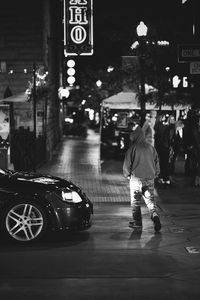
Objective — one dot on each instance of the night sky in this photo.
(115, 25)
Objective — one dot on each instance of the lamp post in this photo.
(142, 32)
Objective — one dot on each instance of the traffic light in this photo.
(71, 72)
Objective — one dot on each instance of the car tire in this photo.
(25, 222)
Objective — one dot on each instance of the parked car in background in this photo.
(32, 205)
(115, 132)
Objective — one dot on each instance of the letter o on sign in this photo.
(78, 34)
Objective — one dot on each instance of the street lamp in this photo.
(99, 83)
(142, 30)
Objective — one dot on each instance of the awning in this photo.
(121, 101)
(125, 100)
(129, 100)
(22, 97)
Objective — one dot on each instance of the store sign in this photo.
(178, 82)
(195, 67)
(188, 52)
(78, 27)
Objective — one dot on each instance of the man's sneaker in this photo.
(157, 224)
(135, 224)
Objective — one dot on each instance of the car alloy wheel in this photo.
(25, 222)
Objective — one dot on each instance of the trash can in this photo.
(3, 158)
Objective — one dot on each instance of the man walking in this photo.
(141, 167)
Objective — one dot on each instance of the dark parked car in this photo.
(31, 205)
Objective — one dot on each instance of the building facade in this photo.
(31, 43)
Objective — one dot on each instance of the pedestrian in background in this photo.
(148, 127)
(164, 136)
(133, 124)
(192, 145)
(177, 146)
(141, 167)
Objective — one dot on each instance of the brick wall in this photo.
(30, 33)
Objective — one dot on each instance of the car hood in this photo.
(23, 181)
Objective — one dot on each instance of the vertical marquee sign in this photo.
(78, 27)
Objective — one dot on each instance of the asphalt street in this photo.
(110, 260)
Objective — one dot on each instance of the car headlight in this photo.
(71, 196)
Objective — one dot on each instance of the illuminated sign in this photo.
(78, 27)
(195, 67)
(180, 82)
(188, 52)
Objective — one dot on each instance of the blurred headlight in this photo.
(71, 196)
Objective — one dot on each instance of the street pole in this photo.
(142, 82)
(34, 118)
(142, 32)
